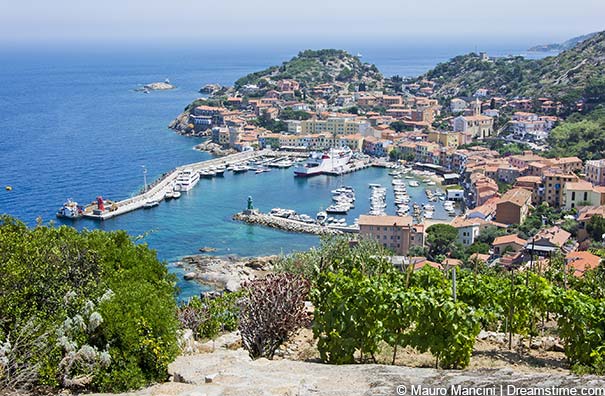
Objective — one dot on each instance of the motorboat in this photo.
(176, 195)
(321, 217)
(207, 173)
(337, 209)
(414, 183)
(151, 204)
(70, 210)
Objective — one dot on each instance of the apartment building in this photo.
(393, 232)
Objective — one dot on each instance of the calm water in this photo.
(73, 127)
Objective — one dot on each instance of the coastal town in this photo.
(419, 213)
(488, 151)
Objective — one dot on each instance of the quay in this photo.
(284, 224)
(164, 184)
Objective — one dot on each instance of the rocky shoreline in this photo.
(214, 149)
(284, 224)
(225, 273)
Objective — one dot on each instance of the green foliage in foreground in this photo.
(363, 303)
(93, 295)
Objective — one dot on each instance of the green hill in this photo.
(572, 42)
(311, 68)
(570, 75)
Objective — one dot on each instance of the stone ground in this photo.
(223, 368)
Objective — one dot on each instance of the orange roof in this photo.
(518, 196)
(581, 262)
(506, 239)
(397, 221)
(556, 235)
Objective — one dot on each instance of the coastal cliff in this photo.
(570, 74)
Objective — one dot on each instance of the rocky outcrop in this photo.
(159, 86)
(214, 148)
(232, 372)
(226, 272)
(284, 224)
(211, 88)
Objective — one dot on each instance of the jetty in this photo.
(284, 224)
(160, 187)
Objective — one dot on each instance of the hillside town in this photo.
(458, 137)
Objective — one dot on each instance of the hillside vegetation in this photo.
(568, 76)
(311, 68)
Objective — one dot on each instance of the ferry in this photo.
(187, 179)
(318, 163)
(70, 210)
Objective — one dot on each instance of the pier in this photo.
(164, 184)
(284, 224)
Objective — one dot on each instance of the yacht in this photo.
(240, 169)
(220, 171)
(318, 163)
(70, 210)
(169, 195)
(187, 179)
(414, 183)
(176, 195)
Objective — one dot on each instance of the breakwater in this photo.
(255, 217)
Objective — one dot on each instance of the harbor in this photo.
(157, 192)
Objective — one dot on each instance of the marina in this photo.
(181, 179)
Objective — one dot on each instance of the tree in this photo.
(441, 238)
(596, 227)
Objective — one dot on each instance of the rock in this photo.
(207, 249)
(190, 276)
(210, 378)
(232, 285)
(210, 88)
(159, 86)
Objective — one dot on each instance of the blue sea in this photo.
(72, 126)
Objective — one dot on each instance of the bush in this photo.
(271, 310)
(55, 274)
(207, 318)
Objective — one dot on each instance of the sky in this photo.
(224, 21)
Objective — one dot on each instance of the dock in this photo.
(160, 187)
(284, 224)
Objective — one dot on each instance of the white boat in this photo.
(414, 183)
(207, 173)
(240, 169)
(286, 163)
(431, 183)
(220, 171)
(337, 209)
(151, 204)
(70, 210)
(169, 195)
(318, 163)
(428, 215)
(176, 195)
(321, 217)
(186, 180)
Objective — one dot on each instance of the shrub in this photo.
(271, 310)
(52, 274)
(209, 317)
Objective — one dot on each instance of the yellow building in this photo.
(333, 126)
(445, 139)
